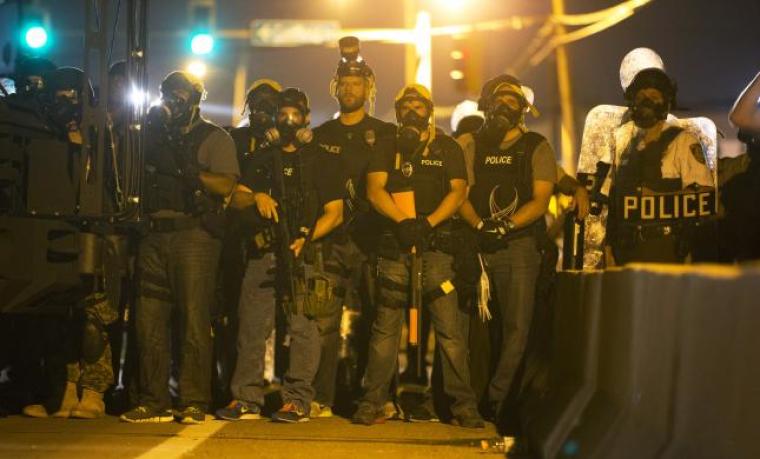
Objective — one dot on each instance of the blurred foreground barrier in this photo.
(652, 361)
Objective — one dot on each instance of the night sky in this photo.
(712, 49)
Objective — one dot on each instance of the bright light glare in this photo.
(453, 5)
(138, 98)
(456, 75)
(457, 55)
(197, 68)
(202, 43)
(424, 74)
(36, 37)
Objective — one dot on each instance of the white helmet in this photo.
(636, 61)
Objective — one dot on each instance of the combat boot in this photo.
(90, 407)
(67, 404)
(70, 400)
(35, 411)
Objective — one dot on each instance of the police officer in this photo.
(432, 166)
(739, 179)
(190, 168)
(89, 367)
(256, 306)
(512, 174)
(29, 79)
(660, 157)
(305, 186)
(353, 137)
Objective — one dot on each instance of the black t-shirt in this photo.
(355, 145)
(740, 228)
(311, 177)
(428, 175)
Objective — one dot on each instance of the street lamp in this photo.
(197, 68)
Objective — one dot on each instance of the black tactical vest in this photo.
(300, 201)
(165, 190)
(504, 179)
(644, 167)
(425, 175)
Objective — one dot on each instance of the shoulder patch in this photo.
(697, 153)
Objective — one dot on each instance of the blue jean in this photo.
(177, 272)
(513, 272)
(446, 320)
(255, 323)
(305, 333)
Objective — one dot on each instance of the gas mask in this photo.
(66, 109)
(288, 127)
(173, 112)
(180, 111)
(646, 112)
(32, 85)
(260, 122)
(410, 132)
(500, 120)
(261, 105)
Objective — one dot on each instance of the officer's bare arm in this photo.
(468, 213)
(570, 186)
(242, 197)
(536, 207)
(380, 198)
(218, 184)
(450, 203)
(746, 112)
(331, 218)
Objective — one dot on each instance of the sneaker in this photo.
(190, 415)
(420, 413)
(319, 410)
(147, 415)
(368, 415)
(469, 419)
(290, 413)
(238, 410)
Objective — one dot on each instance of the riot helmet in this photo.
(261, 105)
(414, 113)
(66, 91)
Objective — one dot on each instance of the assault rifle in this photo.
(286, 260)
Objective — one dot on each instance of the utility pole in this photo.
(567, 130)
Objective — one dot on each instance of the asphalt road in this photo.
(106, 438)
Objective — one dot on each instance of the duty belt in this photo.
(648, 232)
(167, 225)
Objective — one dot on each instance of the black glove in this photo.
(491, 234)
(412, 232)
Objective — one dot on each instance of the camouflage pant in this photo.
(97, 376)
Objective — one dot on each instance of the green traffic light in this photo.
(36, 37)
(202, 43)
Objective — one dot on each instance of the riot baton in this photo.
(404, 200)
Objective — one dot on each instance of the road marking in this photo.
(184, 441)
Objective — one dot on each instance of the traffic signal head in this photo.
(35, 33)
